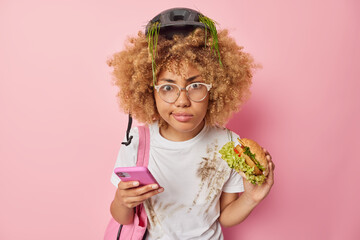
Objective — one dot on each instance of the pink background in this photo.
(60, 126)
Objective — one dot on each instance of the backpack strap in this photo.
(142, 160)
(144, 146)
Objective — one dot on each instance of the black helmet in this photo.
(177, 21)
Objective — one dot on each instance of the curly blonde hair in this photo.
(230, 82)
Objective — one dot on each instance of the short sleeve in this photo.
(127, 155)
(235, 182)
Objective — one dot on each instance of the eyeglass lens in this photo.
(195, 91)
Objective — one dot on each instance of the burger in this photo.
(248, 157)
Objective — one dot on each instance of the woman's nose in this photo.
(183, 100)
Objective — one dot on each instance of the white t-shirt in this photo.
(193, 176)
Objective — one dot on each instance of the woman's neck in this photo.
(172, 134)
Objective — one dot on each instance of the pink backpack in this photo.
(136, 230)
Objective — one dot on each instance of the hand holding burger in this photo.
(248, 158)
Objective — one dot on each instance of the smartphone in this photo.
(140, 174)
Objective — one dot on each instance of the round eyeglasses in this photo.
(170, 92)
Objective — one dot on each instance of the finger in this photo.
(143, 197)
(265, 151)
(133, 197)
(142, 190)
(127, 185)
(270, 178)
(242, 174)
(267, 154)
(272, 163)
(130, 203)
(266, 170)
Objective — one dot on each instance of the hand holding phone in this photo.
(140, 174)
(130, 194)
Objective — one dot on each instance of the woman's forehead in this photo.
(182, 68)
(176, 71)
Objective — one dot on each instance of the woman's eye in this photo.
(195, 85)
(167, 88)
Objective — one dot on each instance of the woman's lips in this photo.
(182, 117)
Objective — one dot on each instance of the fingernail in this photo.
(135, 183)
(155, 186)
(160, 190)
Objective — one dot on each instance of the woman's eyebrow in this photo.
(173, 81)
(192, 78)
(167, 80)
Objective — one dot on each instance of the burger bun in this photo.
(260, 156)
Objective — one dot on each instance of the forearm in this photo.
(121, 213)
(237, 211)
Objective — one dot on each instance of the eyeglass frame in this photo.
(208, 87)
